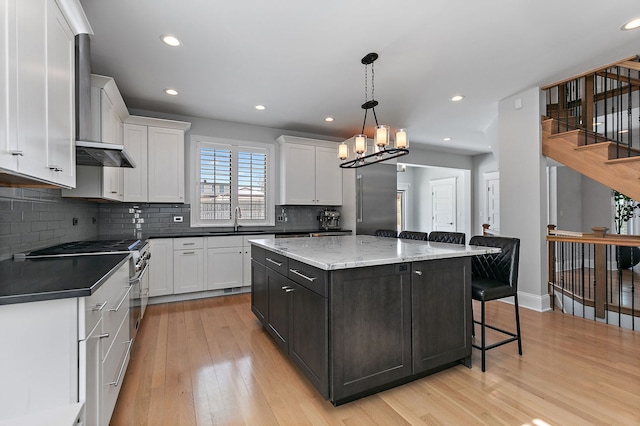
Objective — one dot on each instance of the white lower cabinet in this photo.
(161, 268)
(224, 262)
(61, 353)
(188, 271)
(189, 265)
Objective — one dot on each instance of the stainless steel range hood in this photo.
(88, 152)
(102, 154)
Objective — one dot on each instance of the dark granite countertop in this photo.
(241, 232)
(34, 280)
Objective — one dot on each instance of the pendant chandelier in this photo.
(381, 151)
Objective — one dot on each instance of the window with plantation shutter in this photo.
(215, 184)
(232, 175)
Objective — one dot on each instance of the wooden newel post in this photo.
(485, 227)
(600, 272)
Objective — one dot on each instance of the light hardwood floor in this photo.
(209, 362)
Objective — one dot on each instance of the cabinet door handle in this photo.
(188, 244)
(274, 262)
(55, 168)
(103, 336)
(188, 253)
(114, 192)
(418, 272)
(295, 271)
(124, 362)
(284, 287)
(17, 153)
(289, 290)
(99, 307)
(125, 297)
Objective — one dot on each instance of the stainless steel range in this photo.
(138, 267)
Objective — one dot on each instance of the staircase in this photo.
(589, 154)
(592, 125)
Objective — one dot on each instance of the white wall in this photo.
(523, 199)
(482, 164)
(422, 204)
(406, 182)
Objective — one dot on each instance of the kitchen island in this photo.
(360, 314)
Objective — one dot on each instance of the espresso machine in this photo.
(329, 219)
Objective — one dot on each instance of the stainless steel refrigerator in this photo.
(369, 198)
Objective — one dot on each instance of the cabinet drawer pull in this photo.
(103, 336)
(17, 153)
(285, 287)
(278, 264)
(99, 307)
(188, 244)
(186, 253)
(295, 271)
(124, 361)
(418, 272)
(55, 168)
(289, 290)
(125, 297)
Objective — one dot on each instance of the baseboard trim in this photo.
(531, 301)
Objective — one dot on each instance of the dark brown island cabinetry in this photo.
(356, 331)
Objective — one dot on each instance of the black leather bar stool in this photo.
(493, 277)
(386, 233)
(447, 237)
(413, 235)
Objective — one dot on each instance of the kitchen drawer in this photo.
(307, 276)
(276, 262)
(113, 369)
(90, 311)
(224, 241)
(188, 243)
(258, 254)
(117, 308)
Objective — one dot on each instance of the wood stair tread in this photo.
(595, 160)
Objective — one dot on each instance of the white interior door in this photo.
(492, 200)
(443, 204)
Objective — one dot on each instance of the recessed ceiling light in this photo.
(489, 146)
(170, 40)
(172, 92)
(457, 98)
(631, 25)
(447, 139)
(328, 119)
(260, 107)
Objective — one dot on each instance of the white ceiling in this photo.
(302, 58)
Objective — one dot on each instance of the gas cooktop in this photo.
(96, 246)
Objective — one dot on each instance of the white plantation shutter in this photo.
(252, 184)
(215, 183)
(229, 176)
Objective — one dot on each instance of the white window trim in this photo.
(194, 180)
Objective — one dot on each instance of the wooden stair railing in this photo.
(591, 125)
(593, 260)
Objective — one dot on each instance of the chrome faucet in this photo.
(237, 214)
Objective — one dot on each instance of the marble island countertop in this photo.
(355, 251)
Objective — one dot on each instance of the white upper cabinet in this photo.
(38, 115)
(108, 112)
(157, 147)
(136, 179)
(61, 153)
(309, 172)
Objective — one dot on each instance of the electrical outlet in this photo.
(178, 219)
